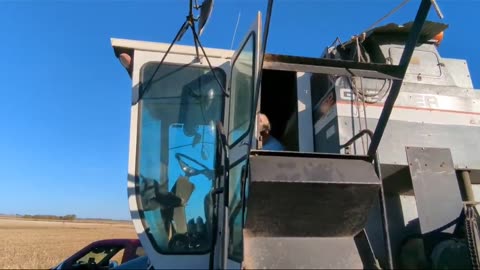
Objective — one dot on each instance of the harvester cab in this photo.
(204, 194)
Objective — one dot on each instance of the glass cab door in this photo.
(172, 153)
(240, 132)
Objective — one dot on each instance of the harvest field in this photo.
(30, 244)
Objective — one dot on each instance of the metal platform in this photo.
(311, 203)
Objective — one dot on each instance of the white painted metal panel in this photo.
(304, 105)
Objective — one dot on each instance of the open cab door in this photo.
(242, 105)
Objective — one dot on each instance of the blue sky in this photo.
(66, 109)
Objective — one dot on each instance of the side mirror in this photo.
(112, 264)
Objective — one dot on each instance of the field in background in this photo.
(29, 244)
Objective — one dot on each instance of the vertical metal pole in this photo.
(260, 71)
(264, 48)
(397, 84)
(383, 212)
(267, 28)
(226, 188)
(226, 235)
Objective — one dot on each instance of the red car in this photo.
(103, 254)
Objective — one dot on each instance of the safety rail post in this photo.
(412, 40)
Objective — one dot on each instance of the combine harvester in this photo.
(381, 137)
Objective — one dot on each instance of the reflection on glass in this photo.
(177, 155)
(235, 247)
(98, 256)
(242, 89)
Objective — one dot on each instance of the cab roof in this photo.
(128, 46)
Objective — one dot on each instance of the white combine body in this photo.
(381, 164)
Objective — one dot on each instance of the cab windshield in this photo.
(176, 156)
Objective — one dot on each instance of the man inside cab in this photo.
(268, 141)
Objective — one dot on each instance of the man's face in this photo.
(262, 122)
(261, 125)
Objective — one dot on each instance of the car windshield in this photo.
(97, 256)
(176, 155)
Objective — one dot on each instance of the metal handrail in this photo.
(357, 136)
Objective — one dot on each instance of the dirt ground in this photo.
(28, 244)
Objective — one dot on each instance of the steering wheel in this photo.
(190, 171)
